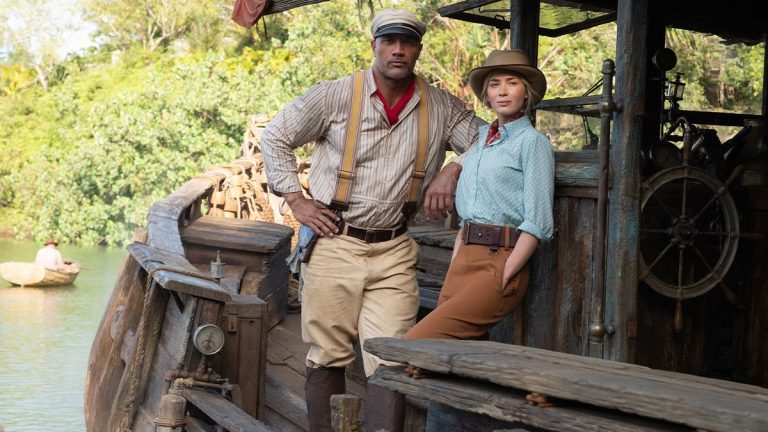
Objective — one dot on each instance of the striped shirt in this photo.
(385, 153)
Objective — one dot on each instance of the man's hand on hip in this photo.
(438, 201)
(323, 221)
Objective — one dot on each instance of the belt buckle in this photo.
(370, 236)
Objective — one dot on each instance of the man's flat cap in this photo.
(397, 21)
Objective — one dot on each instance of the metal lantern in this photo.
(217, 267)
(675, 89)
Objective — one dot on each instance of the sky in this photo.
(62, 22)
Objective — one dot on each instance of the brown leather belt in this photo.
(374, 235)
(495, 236)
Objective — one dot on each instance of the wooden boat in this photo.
(33, 275)
(595, 342)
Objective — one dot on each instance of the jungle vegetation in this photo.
(88, 141)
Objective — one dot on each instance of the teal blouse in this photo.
(511, 181)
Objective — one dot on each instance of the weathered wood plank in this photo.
(511, 405)
(624, 185)
(106, 363)
(434, 260)
(433, 235)
(233, 276)
(573, 299)
(223, 412)
(133, 383)
(253, 236)
(345, 409)
(709, 404)
(441, 418)
(576, 174)
(285, 395)
(244, 356)
(174, 273)
(170, 352)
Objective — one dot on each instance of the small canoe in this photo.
(33, 275)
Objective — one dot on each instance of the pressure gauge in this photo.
(208, 339)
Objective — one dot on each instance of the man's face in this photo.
(396, 55)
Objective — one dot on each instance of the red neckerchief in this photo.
(393, 113)
(493, 132)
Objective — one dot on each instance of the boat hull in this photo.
(33, 275)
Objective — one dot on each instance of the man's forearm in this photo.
(453, 169)
(292, 198)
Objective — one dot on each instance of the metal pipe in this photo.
(597, 327)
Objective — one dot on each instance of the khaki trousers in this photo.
(353, 291)
(472, 299)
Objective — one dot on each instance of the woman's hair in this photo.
(529, 92)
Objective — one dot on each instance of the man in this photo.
(50, 257)
(361, 280)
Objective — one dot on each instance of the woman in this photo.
(504, 199)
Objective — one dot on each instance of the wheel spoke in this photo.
(706, 206)
(669, 246)
(706, 264)
(685, 195)
(664, 207)
(681, 256)
(655, 231)
(714, 233)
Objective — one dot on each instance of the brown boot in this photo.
(321, 384)
(384, 409)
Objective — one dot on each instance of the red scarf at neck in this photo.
(493, 132)
(393, 113)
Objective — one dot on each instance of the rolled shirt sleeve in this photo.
(538, 189)
(464, 128)
(300, 122)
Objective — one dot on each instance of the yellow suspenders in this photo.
(346, 173)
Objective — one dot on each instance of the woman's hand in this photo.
(523, 250)
(323, 221)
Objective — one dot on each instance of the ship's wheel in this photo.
(689, 232)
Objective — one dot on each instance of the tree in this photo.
(32, 34)
(151, 23)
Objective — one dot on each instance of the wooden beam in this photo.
(705, 403)
(620, 301)
(174, 273)
(511, 406)
(222, 411)
(284, 5)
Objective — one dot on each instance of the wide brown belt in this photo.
(494, 236)
(374, 235)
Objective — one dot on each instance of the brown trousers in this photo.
(472, 299)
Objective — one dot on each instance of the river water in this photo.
(45, 339)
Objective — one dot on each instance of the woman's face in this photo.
(506, 94)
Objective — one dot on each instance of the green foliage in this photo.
(94, 180)
(130, 121)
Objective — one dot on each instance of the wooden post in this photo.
(345, 409)
(524, 27)
(624, 193)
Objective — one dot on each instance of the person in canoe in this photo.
(49, 256)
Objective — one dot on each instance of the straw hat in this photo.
(51, 241)
(513, 60)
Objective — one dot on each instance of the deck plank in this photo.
(511, 406)
(705, 403)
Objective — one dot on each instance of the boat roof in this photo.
(734, 22)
